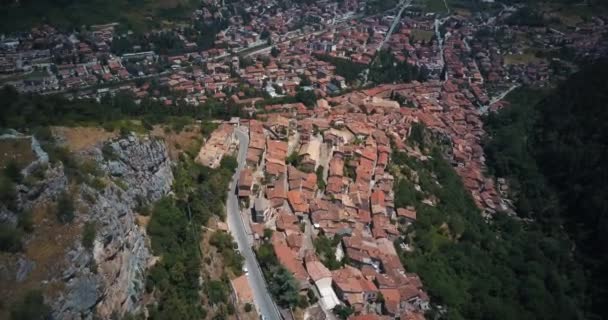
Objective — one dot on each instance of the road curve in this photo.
(261, 296)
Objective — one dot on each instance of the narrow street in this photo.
(404, 4)
(262, 298)
(484, 109)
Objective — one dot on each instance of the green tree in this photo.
(13, 172)
(26, 222)
(225, 244)
(502, 265)
(8, 194)
(307, 97)
(293, 159)
(551, 147)
(343, 312)
(268, 233)
(320, 178)
(65, 208)
(275, 52)
(248, 307)
(217, 292)
(386, 69)
(305, 81)
(346, 68)
(10, 239)
(229, 163)
(326, 250)
(88, 235)
(283, 287)
(31, 307)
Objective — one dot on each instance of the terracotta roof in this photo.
(297, 201)
(409, 213)
(392, 300)
(317, 270)
(408, 292)
(346, 280)
(242, 289)
(288, 259)
(412, 316)
(385, 281)
(369, 316)
(245, 178)
(286, 221)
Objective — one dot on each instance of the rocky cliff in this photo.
(108, 279)
(140, 172)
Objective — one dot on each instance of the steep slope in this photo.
(572, 128)
(553, 148)
(106, 188)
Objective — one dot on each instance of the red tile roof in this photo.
(297, 201)
(287, 257)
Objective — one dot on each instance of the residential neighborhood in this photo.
(310, 108)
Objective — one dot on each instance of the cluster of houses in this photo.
(324, 173)
(449, 108)
(490, 56)
(349, 137)
(223, 81)
(358, 41)
(268, 20)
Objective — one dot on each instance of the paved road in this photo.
(484, 109)
(404, 4)
(263, 301)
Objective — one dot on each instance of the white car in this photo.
(245, 269)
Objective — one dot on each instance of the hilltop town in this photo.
(327, 95)
(319, 174)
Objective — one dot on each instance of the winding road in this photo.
(261, 296)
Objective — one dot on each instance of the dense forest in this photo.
(386, 69)
(203, 33)
(23, 112)
(553, 148)
(344, 67)
(473, 269)
(73, 14)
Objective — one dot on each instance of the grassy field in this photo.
(36, 74)
(572, 15)
(178, 142)
(523, 58)
(80, 138)
(437, 6)
(462, 12)
(18, 150)
(569, 19)
(419, 34)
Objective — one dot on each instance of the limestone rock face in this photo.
(54, 182)
(110, 280)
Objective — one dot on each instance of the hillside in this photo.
(92, 213)
(69, 14)
(554, 152)
(506, 269)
